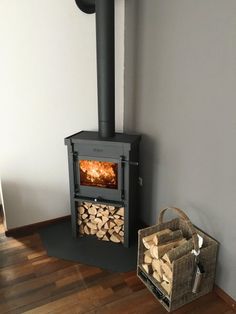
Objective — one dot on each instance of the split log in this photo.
(91, 217)
(167, 287)
(105, 213)
(92, 210)
(150, 237)
(81, 229)
(119, 222)
(116, 216)
(115, 237)
(79, 222)
(121, 211)
(84, 216)
(86, 230)
(111, 208)
(98, 221)
(167, 237)
(159, 251)
(106, 226)
(157, 276)
(117, 229)
(81, 210)
(147, 257)
(111, 224)
(104, 219)
(111, 231)
(92, 226)
(148, 244)
(100, 234)
(167, 269)
(121, 233)
(105, 238)
(147, 268)
(178, 252)
(166, 278)
(156, 266)
(93, 231)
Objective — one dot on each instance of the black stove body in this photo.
(121, 151)
(103, 165)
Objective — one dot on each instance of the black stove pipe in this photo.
(105, 67)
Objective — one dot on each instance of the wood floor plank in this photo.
(34, 283)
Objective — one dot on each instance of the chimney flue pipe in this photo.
(105, 67)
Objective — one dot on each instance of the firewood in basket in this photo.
(81, 210)
(156, 266)
(166, 278)
(149, 239)
(167, 237)
(111, 208)
(121, 233)
(121, 211)
(79, 222)
(167, 287)
(178, 252)
(167, 269)
(111, 231)
(157, 276)
(115, 237)
(99, 215)
(116, 216)
(119, 222)
(160, 250)
(147, 268)
(100, 210)
(92, 210)
(147, 257)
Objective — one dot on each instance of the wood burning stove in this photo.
(104, 171)
(103, 165)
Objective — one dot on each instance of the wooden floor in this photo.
(32, 282)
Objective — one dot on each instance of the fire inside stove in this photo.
(98, 174)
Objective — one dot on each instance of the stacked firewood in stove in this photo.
(103, 221)
(162, 249)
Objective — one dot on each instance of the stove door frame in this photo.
(99, 193)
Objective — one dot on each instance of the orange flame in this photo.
(98, 173)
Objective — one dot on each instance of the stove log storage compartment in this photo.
(122, 152)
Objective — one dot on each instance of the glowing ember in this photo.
(98, 173)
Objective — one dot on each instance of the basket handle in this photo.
(184, 217)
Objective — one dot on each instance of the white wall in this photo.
(47, 92)
(183, 100)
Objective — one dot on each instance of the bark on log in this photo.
(159, 251)
(167, 237)
(178, 252)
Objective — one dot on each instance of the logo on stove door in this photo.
(98, 150)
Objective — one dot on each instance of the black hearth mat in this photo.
(58, 241)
